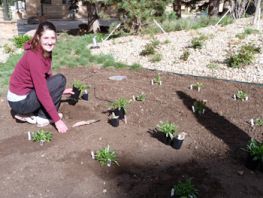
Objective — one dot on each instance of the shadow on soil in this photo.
(233, 136)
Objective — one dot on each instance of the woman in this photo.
(34, 93)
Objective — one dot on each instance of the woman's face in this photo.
(48, 40)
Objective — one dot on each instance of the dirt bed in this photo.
(211, 154)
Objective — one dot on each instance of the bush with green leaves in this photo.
(185, 189)
(241, 95)
(140, 97)
(259, 122)
(255, 150)
(185, 55)
(8, 48)
(169, 129)
(119, 104)
(80, 86)
(244, 56)
(150, 48)
(197, 86)
(198, 42)
(42, 136)
(156, 58)
(20, 40)
(106, 157)
(199, 107)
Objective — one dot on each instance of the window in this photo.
(46, 1)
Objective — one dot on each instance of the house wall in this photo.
(54, 10)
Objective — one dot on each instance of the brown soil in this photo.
(211, 154)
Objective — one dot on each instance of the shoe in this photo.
(42, 122)
(26, 118)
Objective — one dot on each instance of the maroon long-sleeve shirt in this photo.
(31, 72)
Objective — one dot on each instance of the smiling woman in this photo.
(33, 91)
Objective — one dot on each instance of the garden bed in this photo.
(211, 153)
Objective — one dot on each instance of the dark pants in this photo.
(56, 86)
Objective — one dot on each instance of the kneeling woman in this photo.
(34, 93)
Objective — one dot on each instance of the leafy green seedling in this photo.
(157, 80)
(197, 86)
(80, 86)
(106, 157)
(255, 150)
(185, 55)
(184, 189)
(167, 128)
(119, 104)
(241, 95)
(259, 122)
(199, 107)
(140, 97)
(42, 136)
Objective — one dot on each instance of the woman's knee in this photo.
(59, 79)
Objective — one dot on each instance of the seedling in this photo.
(119, 104)
(241, 95)
(80, 86)
(197, 86)
(42, 136)
(157, 80)
(255, 150)
(140, 97)
(259, 122)
(106, 157)
(199, 107)
(185, 55)
(184, 189)
(167, 128)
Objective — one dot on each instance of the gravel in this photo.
(221, 40)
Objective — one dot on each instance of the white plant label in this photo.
(92, 154)
(252, 122)
(29, 135)
(193, 109)
(172, 192)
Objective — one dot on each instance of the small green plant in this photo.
(42, 136)
(106, 157)
(80, 86)
(119, 104)
(149, 49)
(198, 42)
(185, 55)
(140, 97)
(259, 122)
(199, 107)
(197, 86)
(156, 58)
(212, 66)
(244, 56)
(185, 189)
(241, 95)
(157, 80)
(255, 150)
(21, 40)
(247, 32)
(167, 128)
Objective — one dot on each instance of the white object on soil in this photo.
(172, 192)
(92, 154)
(193, 109)
(81, 123)
(252, 122)
(118, 78)
(29, 137)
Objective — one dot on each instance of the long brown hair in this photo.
(35, 41)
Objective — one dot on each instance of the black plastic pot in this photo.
(74, 97)
(85, 96)
(177, 143)
(114, 122)
(119, 112)
(252, 164)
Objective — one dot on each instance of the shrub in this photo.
(105, 156)
(185, 55)
(8, 49)
(120, 103)
(156, 57)
(167, 128)
(149, 49)
(42, 136)
(185, 189)
(21, 40)
(244, 56)
(255, 149)
(198, 42)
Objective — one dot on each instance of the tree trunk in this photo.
(6, 10)
(213, 7)
(177, 7)
(256, 19)
(240, 8)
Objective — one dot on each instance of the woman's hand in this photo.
(61, 127)
(68, 91)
